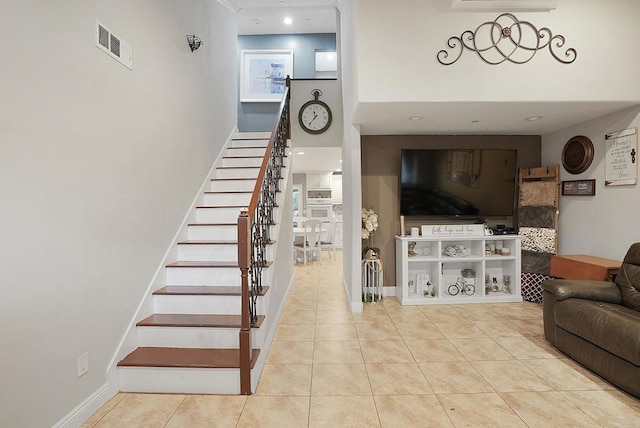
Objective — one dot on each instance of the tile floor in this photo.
(396, 366)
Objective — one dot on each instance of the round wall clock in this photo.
(577, 154)
(315, 115)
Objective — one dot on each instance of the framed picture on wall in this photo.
(263, 74)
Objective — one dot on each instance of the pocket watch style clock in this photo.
(314, 115)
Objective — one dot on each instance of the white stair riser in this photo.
(179, 380)
(219, 199)
(246, 151)
(237, 172)
(203, 276)
(196, 337)
(232, 185)
(221, 305)
(252, 161)
(213, 233)
(217, 215)
(250, 143)
(206, 252)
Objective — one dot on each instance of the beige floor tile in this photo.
(528, 347)
(566, 375)
(291, 353)
(332, 305)
(529, 327)
(485, 349)
(285, 379)
(461, 329)
(334, 317)
(498, 328)
(276, 412)
(340, 379)
(106, 408)
(377, 332)
(411, 411)
(332, 412)
(547, 409)
(426, 351)
(511, 376)
(479, 410)
(385, 351)
(450, 377)
(410, 317)
(421, 330)
(301, 304)
(208, 410)
(298, 317)
(372, 314)
(478, 313)
(142, 410)
(442, 314)
(609, 408)
(397, 379)
(295, 333)
(335, 332)
(342, 352)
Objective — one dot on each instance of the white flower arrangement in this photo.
(369, 223)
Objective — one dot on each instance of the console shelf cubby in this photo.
(426, 268)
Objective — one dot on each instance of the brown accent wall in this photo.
(381, 177)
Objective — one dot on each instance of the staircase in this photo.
(189, 344)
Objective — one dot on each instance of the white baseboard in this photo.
(389, 291)
(87, 408)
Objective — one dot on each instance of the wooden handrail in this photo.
(249, 252)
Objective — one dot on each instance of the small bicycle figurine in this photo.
(461, 285)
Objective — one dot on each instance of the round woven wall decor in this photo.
(577, 154)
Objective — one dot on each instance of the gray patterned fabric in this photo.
(537, 217)
(538, 239)
(535, 262)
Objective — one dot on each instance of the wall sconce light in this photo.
(194, 42)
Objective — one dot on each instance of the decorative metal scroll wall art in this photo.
(507, 39)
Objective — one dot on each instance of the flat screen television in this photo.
(459, 184)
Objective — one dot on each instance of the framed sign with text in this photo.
(621, 166)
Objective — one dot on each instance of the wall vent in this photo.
(114, 46)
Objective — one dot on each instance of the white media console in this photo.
(428, 266)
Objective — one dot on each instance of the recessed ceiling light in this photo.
(256, 22)
(300, 153)
(532, 118)
(340, 161)
(288, 20)
(416, 117)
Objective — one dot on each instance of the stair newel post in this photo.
(244, 262)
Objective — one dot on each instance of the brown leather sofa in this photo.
(597, 323)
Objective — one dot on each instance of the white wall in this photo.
(99, 164)
(351, 180)
(604, 225)
(398, 43)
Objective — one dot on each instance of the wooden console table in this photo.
(582, 266)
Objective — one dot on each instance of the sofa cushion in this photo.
(612, 327)
(628, 280)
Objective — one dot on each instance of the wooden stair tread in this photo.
(212, 224)
(243, 157)
(185, 358)
(196, 320)
(237, 167)
(211, 192)
(194, 242)
(212, 264)
(231, 179)
(221, 206)
(203, 290)
(247, 147)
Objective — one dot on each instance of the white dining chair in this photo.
(330, 242)
(310, 245)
